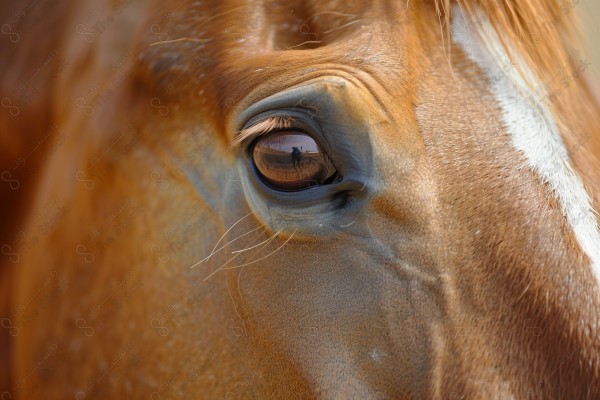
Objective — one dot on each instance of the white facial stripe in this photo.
(531, 128)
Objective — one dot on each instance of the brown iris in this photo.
(291, 160)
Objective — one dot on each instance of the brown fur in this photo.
(481, 292)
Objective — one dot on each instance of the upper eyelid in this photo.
(260, 128)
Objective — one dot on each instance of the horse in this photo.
(451, 249)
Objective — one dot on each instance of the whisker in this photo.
(250, 248)
(228, 243)
(235, 305)
(231, 259)
(226, 232)
(262, 258)
(303, 43)
(339, 14)
(221, 267)
(242, 299)
(183, 39)
(342, 26)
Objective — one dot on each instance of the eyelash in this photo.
(270, 124)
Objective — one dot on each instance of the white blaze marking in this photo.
(532, 129)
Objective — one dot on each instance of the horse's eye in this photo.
(290, 160)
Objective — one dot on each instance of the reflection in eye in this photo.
(291, 160)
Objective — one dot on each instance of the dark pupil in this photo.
(291, 160)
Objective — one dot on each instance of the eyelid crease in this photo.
(259, 128)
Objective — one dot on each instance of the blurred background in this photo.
(589, 13)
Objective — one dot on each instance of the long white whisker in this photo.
(262, 258)
(233, 258)
(226, 232)
(303, 43)
(255, 246)
(342, 26)
(226, 244)
(235, 305)
(221, 267)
